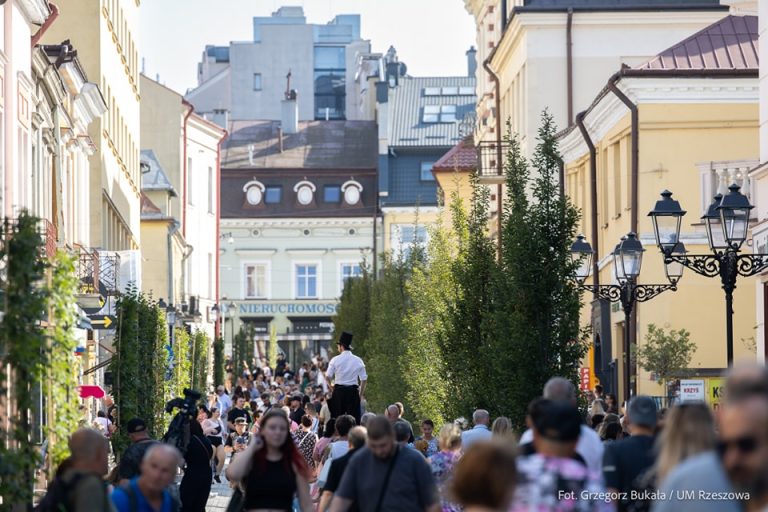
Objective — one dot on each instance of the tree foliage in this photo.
(666, 354)
(200, 348)
(218, 362)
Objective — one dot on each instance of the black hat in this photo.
(136, 425)
(345, 339)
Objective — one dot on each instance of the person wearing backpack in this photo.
(149, 491)
(79, 485)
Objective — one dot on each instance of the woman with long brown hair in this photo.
(271, 469)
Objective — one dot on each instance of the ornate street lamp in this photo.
(627, 262)
(727, 223)
(215, 313)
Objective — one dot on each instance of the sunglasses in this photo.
(744, 445)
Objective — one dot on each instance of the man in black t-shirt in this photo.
(356, 438)
(238, 440)
(130, 462)
(626, 461)
(238, 411)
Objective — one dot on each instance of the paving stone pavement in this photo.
(220, 494)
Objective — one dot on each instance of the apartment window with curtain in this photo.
(256, 280)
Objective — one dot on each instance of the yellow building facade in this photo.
(697, 132)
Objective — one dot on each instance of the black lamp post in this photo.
(727, 222)
(627, 261)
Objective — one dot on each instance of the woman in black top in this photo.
(196, 484)
(271, 469)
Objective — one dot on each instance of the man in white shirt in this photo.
(481, 418)
(349, 377)
(589, 446)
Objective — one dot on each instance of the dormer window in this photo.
(254, 192)
(305, 192)
(352, 191)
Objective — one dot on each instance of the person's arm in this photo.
(302, 486)
(325, 501)
(340, 504)
(242, 463)
(362, 388)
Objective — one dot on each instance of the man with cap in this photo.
(625, 462)
(349, 378)
(130, 462)
(238, 440)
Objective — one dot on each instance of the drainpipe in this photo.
(46, 24)
(569, 63)
(592, 199)
(499, 161)
(173, 228)
(184, 198)
(634, 141)
(634, 180)
(218, 229)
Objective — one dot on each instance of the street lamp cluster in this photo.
(727, 224)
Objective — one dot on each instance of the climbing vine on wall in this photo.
(200, 346)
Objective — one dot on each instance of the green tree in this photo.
(182, 360)
(126, 365)
(354, 313)
(536, 321)
(199, 361)
(272, 349)
(666, 354)
(218, 362)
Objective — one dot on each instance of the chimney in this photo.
(290, 113)
(471, 61)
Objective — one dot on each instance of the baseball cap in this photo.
(136, 425)
(240, 420)
(643, 411)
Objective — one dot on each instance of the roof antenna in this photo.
(288, 85)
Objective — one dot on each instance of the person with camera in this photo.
(238, 440)
(196, 485)
(271, 469)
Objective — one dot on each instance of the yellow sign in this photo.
(715, 390)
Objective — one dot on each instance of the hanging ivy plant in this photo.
(23, 345)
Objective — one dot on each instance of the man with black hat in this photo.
(130, 462)
(349, 377)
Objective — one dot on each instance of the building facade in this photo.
(106, 32)
(247, 80)
(180, 210)
(696, 132)
(298, 218)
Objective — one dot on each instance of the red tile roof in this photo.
(461, 157)
(728, 44)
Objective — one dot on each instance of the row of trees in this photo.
(148, 370)
(37, 354)
(453, 325)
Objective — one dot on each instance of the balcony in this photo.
(109, 274)
(490, 161)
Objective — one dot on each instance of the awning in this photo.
(87, 391)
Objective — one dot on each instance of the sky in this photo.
(431, 36)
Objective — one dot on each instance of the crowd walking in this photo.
(280, 440)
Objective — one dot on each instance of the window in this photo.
(330, 76)
(273, 195)
(431, 114)
(426, 171)
(257, 81)
(255, 280)
(450, 91)
(349, 271)
(331, 193)
(431, 91)
(211, 192)
(190, 198)
(330, 57)
(467, 91)
(448, 114)
(403, 237)
(306, 281)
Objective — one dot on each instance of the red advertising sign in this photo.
(584, 379)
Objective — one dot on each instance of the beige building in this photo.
(695, 133)
(106, 33)
(180, 210)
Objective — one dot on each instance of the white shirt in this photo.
(346, 368)
(590, 447)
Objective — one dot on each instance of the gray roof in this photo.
(317, 145)
(621, 4)
(155, 178)
(407, 102)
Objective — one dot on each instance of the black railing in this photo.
(109, 274)
(490, 158)
(87, 269)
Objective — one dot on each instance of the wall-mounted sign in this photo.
(288, 308)
(691, 390)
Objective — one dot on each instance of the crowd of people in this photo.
(301, 441)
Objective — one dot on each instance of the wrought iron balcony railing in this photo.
(87, 269)
(109, 274)
(490, 159)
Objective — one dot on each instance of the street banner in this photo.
(584, 379)
(715, 390)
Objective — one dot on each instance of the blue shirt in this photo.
(123, 502)
(479, 432)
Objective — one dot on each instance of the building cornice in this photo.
(295, 222)
(608, 110)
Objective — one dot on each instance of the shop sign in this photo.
(288, 308)
(692, 390)
(715, 391)
(584, 379)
